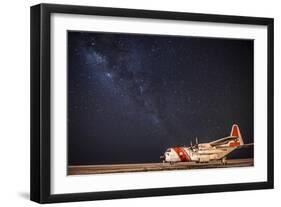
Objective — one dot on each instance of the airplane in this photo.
(206, 152)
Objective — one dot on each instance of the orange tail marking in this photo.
(235, 132)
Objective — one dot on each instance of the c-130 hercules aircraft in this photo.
(206, 152)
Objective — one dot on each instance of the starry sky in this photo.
(132, 96)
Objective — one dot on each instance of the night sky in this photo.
(132, 96)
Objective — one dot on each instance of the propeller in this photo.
(195, 147)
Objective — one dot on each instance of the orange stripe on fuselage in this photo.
(181, 153)
(234, 144)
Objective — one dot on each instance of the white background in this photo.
(14, 104)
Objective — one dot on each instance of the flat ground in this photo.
(97, 169)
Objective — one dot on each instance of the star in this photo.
(108, 75)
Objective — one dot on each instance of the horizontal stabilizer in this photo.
(245, 146)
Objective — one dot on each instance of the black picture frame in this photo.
(40, 184)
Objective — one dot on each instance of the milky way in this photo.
(132, 96)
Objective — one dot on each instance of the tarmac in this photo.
(119, 168)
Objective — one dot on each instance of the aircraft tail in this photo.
(235, 132)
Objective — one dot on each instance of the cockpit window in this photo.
(168, 150)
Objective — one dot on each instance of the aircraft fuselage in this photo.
(205, 152)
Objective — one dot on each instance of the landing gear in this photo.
(162, 158)
(223, 161)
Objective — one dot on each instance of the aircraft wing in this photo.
(245, 145)
(223, 140)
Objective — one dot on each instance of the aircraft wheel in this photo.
(224, 161)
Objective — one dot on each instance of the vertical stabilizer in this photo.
(235, 132)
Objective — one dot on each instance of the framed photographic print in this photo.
(132, 103)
